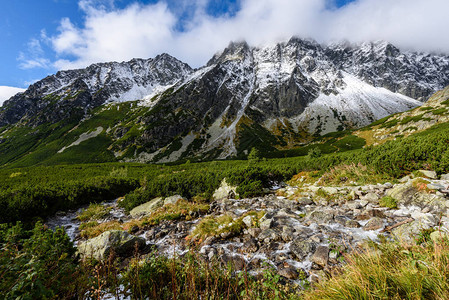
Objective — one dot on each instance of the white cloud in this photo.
(34, 57)
(139, 30)
(7, 92)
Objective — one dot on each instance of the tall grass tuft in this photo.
(390, 271)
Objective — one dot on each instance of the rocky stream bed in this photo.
(304, 230)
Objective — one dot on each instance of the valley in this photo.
(289, 171)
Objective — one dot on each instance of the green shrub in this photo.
(314, 153)
(37, 264)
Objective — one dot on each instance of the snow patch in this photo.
(83, 137)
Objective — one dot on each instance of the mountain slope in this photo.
(274, 98)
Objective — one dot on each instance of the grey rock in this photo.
(250, 246)
(302, 248)
(287, 233)
(266, 224)
(173, 199)
(330, 190)
(248, 221)
(121, 243)
(407, 233)
(445, 177)
(374, 224)
(254, 232)
(268, 235)
(405, 179)
(353, 205)
(364, 202)
(146, 208)
(435, 186)
(371, 197)
(225, 191)
(352, 224)
(438, 236)
(321, 256)
(424, 218)
(429, 174)
(288, 272)
(235, 261)
(320, 216)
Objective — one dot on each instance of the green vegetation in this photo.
(389, 202)
(29, 201)
(439, 111)
(31, 192)
(254, 155)
(37, 264)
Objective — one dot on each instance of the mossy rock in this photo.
(146, 208)
(119, 242)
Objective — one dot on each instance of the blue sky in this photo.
(25, 24)
(41, 37)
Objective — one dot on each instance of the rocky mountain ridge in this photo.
(272, 97)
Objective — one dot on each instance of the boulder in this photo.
(371, 197)
(146, 208)
(352, 224)
(402, 193)
(225, 191)
(374, 224)
(302, 248)
(266, 224)
(268, 235)
(408, 232)
(288, 272)
(429, 174)
(248, 221)
(120, 242)
(435, 186)
(320, 216)
(321, 256)
(329, 190)
(354, 205)
(424, 218)
(236, 262)
(445, 177)
(173, 199)
(438, 235)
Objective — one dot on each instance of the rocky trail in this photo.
(303, 231)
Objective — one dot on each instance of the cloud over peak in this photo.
(111, 33)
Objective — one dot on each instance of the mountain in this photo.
(274, 98)
(68, 93)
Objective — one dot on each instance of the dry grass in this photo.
(390, 271)
(303, 178)
(346, 173)
(93, 229)
(183, 209)
(94, 212)
(421, 185)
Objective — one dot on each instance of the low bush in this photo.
(37, 264)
